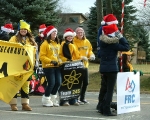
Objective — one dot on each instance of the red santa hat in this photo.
(42, 27)
(69, 32)
(48, 31)
(110, 30)
(7, 28)
(109, 19)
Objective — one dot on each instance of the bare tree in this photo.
(143, 14)
(109, 9)
(99, 4)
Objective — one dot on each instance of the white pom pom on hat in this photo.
(42, 35)
(103, 22)
(109, 19)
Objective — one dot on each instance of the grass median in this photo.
(95, 79)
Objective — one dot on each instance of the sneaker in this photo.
(82, 102)
(76, 104)
(66, 104)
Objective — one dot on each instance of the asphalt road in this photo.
(82, 112)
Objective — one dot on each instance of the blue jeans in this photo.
(53, 76)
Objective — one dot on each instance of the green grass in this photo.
(95, 79)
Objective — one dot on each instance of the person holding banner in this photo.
(68, 52)
(85, 48)
(108, 66)
(24, 37)
(49, 56)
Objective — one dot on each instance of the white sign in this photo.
(128, 92)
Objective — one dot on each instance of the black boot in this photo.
(100, 108)
(113, 105)
(110, 114)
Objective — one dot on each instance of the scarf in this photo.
(130, 66)
(66, 50)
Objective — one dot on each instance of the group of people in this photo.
(74, 47)
(51, 54)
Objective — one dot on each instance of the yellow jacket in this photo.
(73, 51)
(26, 42)
(49, 52)
(84, 47)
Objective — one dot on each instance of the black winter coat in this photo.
(4, 36)
(109, 52)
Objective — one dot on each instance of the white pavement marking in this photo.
(58, 115)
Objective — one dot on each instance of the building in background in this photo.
(72, 20)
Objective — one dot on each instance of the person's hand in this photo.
(84, 58)
(135, 71)
(55, 63)
(141, 73)
(92, 57)
(69, 60)
(118, 34)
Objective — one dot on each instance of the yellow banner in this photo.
(16, 66)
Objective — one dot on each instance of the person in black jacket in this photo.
(107, 20)
(39, 39)
(5, 30)
(109, 63)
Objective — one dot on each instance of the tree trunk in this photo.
(109, 7)
(99, 8)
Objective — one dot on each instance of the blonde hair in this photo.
(29, 35)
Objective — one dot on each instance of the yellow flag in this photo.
(16, 66)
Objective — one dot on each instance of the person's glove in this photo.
(55, 63)
(92, 57)
(141, 73)
(59, 60)
(118, 34)
(135, 71)
(84, 58)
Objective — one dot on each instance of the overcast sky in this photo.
(82, 6)
(79, 6)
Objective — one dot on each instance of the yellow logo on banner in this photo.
(16, 66)
(71, 79)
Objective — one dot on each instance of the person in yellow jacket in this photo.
(69, 52)
(24, 37)
(49, 56)
(85, 48)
